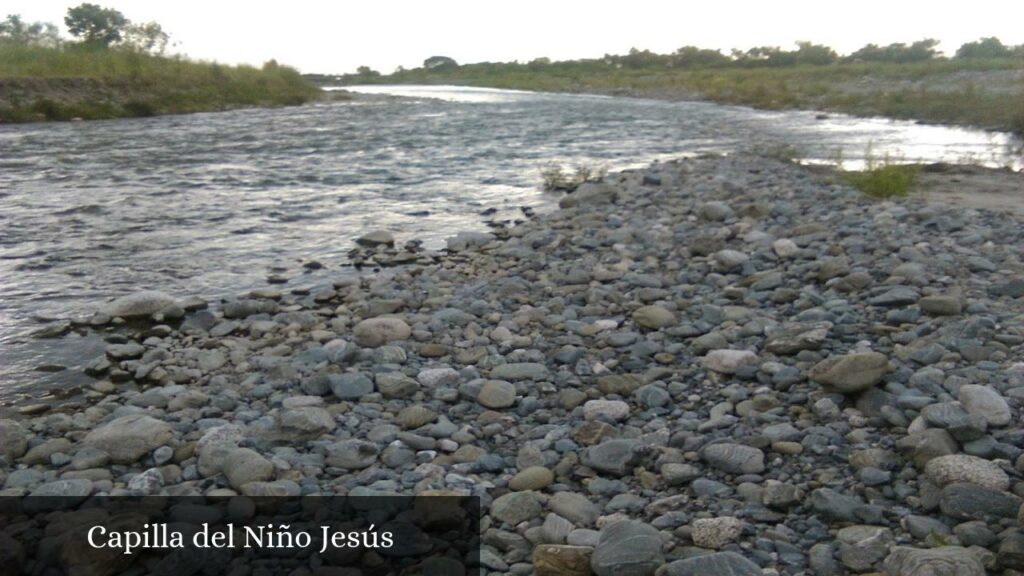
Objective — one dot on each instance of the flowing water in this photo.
(210, 204)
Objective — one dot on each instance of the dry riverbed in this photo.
(716, 365)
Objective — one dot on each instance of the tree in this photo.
(145, 37)
(817, 54)
(96, 25)
(984, 48)
(439, 63)
(692, 56)
(898, 52)
(17, 31)
(367, 72)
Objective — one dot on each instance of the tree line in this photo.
(92, 26)
(805, 53)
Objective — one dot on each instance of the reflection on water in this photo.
(210, 204)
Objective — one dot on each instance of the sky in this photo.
(339, 36)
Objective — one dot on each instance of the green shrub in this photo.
(556, 178)
(882, 179)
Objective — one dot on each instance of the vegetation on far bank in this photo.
(117, 68)
(899, 81)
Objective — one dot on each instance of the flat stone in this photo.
(621, 384)
(532, 478)
(862, 547)
(944, 561)
(614, 410)
(128, 438)
(927, 444)
(941, 305)
(963, 468)
(520, 371)
(561, 560)
(728, 361)
(13, 440)
(497, 394)
(627, 548)
(717, 564)
(244, 465)
(734, 458)
(415, 416)
(716, 532)
(376, 238)
(375, 332)
(793, 338)
(516, 507)
(985, 402)
(350, 385)
(616, 457)
(352, 454)
(654, 317)
(973, 502)
(139, 304)
(577, 508)
(851, 373)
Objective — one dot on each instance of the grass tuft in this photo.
(883, 179)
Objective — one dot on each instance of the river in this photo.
(211, 204)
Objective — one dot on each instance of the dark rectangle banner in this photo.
(191, 535)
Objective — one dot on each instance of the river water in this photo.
(211, 204)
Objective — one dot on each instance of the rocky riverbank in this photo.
(711, 366)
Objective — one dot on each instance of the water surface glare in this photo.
(210, 204)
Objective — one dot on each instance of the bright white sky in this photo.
(338, 36)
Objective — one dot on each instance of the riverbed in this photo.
(213, 204)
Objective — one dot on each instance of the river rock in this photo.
(13, 440)
(305, 422)
(851, 373)
(985, 402)
(627, 549)
(532, 478)
(69, 491)
(561, 560)
(796, 337)
(375, 332)
(577, 508)
(717, 564)
(861, 547)
(716, 532)
(945, 305)
(614, 410)
(520, 371)
(352, 454)
(944, 561)
(590, 194)
(516, 507)
(415, 416)
(973, 502)
(785, 248)
(128, 438)
(653, 317)
(244, 465)
(728, 361)
(139, 305)
(351, 385)
(376, 238)
(616, 457)
(734, 458)
(467, 240)
(497, 394)
(963, 468)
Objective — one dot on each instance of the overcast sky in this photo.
(338, 36)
